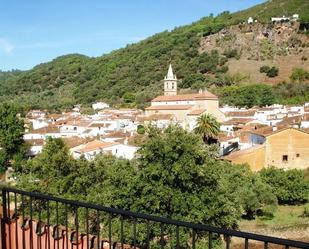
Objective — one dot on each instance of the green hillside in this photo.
(132, 75)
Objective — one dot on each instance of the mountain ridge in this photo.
(133, 74)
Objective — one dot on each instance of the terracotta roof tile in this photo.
(169, 107)
(196, 112)
(116, 134)
(44, 130)
(35, 142)
(247, 113)
(184, 97)
(156, 117)
(93, 145)
(238, 121)
(236, 154)
(72, 142)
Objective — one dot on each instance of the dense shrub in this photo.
(272, 72)
(140, 129)
(289, 186)
(264, 69)
(269, 71)
(247, 95)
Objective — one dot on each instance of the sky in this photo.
(37, 31)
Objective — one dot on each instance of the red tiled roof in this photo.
(44, 130)
(35, 142)
(196, 112)
(236, 154)
(100, 125)
(155, 117)
(93, 145)
(248, 113)
(184, 97)
(169, 107)
(72, 142)
(238, 121)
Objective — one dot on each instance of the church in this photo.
(183, 108)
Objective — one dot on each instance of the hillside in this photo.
(132, 75)
(257, 45)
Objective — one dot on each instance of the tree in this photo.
(208, 127)
(289, 186)
(247, 95)
(177, 177)
(55, 169)
(11, 133)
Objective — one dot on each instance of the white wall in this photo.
(39, 123)
(35, 150)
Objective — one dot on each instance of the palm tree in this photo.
(208, 127)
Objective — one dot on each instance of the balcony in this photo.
(37, 221)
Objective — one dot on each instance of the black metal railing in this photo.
(37, 221)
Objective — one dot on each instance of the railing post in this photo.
(3, 220)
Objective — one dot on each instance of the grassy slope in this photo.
(136, 69)
(287, 222)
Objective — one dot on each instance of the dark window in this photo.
(284, 158)
(297, 155)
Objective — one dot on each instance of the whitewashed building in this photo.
(94, 148)
(100, 106)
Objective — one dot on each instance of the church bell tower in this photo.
(170, 82)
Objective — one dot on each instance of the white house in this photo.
(100, 106)
(295, 17)
(305, 121)
(39, 123)
(36, 114)
(36, 146)
(92, 149)
(250, 20)
(280, 19)
(75, 127)
(42, 133)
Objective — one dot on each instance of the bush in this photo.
(264, 69)
(272, 72)
(289, 186)
(129, 97)
(247, 95)
(140, 129)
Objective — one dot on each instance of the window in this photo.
(297, 155)
(285, 158)
(173, 85)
